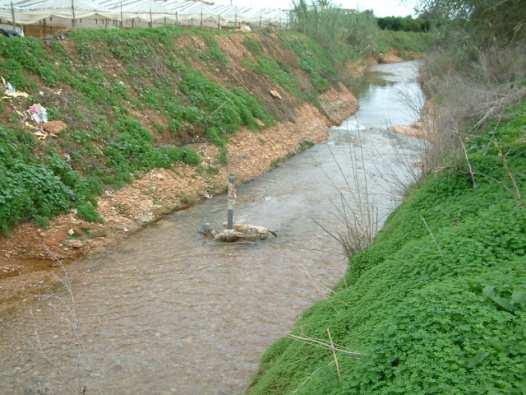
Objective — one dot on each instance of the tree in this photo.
(488, 20)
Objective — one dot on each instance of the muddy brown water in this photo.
(167, 312)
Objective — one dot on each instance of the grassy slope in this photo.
(406, 43)
(434, 309)
(132, 100)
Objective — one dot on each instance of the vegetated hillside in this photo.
(133, 100)
(438, 303)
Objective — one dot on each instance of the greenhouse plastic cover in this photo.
(34, 11)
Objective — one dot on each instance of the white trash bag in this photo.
(38, 114)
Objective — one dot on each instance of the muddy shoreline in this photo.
(30, 256)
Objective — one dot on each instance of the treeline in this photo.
(405, 24)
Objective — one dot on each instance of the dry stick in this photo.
(503, 102)
(75, 322)
(75, 326)
(516, 191)
(367, 212)
(471, 172)
(334, 356)
(432, 236)
(321, 343)
(13, 19)
(319, 287)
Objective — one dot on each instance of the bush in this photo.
(30, 192)
(486, 21)
(345, 34)
(405, 24)
(470, 86)
(348, 35)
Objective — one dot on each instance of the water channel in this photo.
(167, 312)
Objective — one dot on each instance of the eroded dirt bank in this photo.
(30, 254)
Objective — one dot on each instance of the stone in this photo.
(146, 217)
(275, 94)
(415, 130)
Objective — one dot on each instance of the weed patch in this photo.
(278, 72)
(99, 83)
(314, 60)
(438, 302)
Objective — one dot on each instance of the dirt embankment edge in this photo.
(30, 255)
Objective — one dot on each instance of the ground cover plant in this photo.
(438, 303)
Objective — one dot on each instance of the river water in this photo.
(167, 312)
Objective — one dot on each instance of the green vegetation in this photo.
(221, 111)
(104, 85)
(405, 43)
(134, 99)
(314, 60)
(39, 185)
(213, 52)
(348, 35)
(280, 73)
(404, 24)
(487, 21)
(438, 303)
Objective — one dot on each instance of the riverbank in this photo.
(184, 302)
(155, 128)
(29, 252)
(73, 164)
(436, 300)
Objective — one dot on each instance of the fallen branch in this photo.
(323, 344)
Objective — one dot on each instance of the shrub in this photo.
(345, 34)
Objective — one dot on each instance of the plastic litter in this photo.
(9, 31)
(10, 91)
(38, 114)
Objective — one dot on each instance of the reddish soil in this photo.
(415, 130)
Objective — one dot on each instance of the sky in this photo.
(380, 7)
